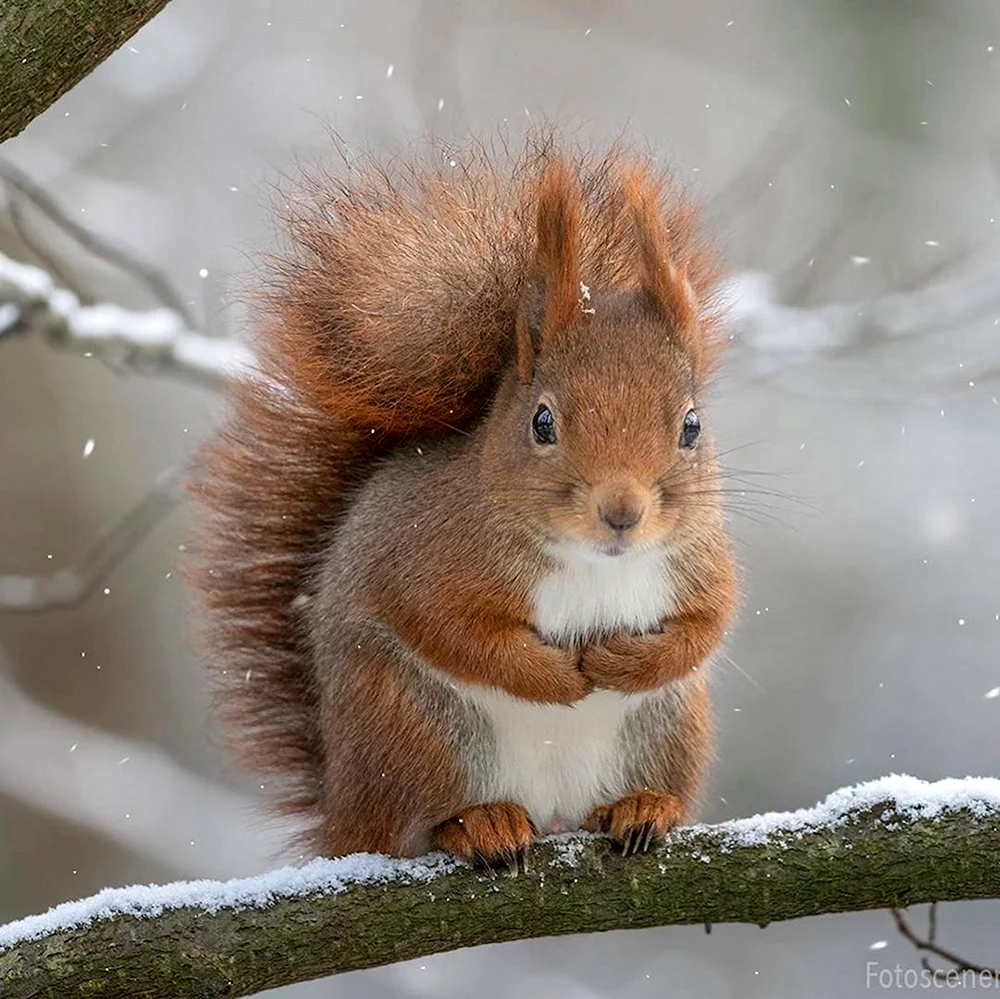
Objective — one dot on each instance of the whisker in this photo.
(457, 430)
(738, 447)
(732, 662)
(731, 469)
(757, 515)
(742, 491)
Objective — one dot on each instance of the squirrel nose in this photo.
(622, 514)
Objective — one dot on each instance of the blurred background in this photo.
(846, 153)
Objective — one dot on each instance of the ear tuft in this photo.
(557, 257)
(556, 267)
(663, 277)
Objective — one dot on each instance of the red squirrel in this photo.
(462, 556)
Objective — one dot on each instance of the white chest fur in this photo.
(589, 593)
(561, 762)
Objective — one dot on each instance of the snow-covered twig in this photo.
(154, 341)
(129, 792)
(893, 842)
(773, 337)
(19, 183)
(69, 586)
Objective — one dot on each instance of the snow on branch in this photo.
(774, 336)
(20, 186)
(893, 842)
(153, 341)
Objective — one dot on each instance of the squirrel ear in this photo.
(556, 269)
(664, 279)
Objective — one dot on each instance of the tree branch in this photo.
(48, 46)
(894, 842)
(930, 945)
(773, 337)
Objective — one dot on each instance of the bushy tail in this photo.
(273, 483)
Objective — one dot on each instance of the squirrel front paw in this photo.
(545, 673)
(498, 833)
(638, 820)
(634, 663)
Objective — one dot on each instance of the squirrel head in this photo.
(595, 440)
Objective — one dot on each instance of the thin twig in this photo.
(930, 945)
(750, 184)
(42, 254)
(69, 586)
(934, 271)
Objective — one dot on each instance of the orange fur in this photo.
(377, 512)
(381, 731)
(498, 832)
(665, 256)
(557, 256)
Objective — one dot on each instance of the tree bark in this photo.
(873, 859)
(48, 46)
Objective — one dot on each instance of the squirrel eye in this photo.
(543, 425)
(691, 430)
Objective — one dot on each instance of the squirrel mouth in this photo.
(595, 549)
(613, 548)
(627, 545)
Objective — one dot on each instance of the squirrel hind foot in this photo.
(638, 820)
(497, 834)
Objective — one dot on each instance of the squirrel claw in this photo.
(649, 837)
(494, 835)
(515, 861)
(639, 839)
(638, 820)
